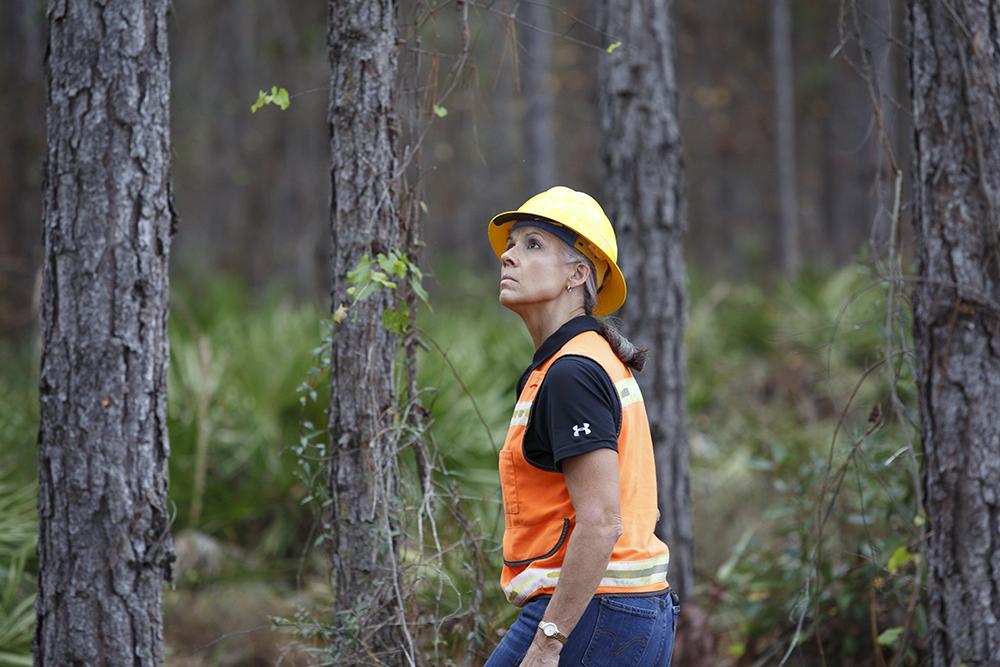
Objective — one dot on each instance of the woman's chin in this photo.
(509, 300)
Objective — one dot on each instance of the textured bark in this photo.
(365, 219)
(539, 135)
(784, 134)
(643, 185)
(104, 531)
(955, 87)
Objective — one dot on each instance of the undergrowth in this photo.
(773, 375)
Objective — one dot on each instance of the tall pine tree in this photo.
(367, 217)
(955, 87)
(643, 179)
(104, 531)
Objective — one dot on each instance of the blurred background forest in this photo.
(781, 388)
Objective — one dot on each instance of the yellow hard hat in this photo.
(581, 213)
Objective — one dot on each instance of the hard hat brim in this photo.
(610, 296)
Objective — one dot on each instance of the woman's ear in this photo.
(580, 274)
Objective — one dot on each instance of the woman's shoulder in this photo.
(592, 345)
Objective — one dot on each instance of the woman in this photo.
(576, 469)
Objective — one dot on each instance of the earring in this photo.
(569, 288)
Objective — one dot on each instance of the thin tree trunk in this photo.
(22, 133)
(643, 176)
(104, 530)
(535, 64)
(858, 176)
(784, 134)
(955, 86)
(365, 219)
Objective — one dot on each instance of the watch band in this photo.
(550, 629)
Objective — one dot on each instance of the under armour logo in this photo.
(578, 429)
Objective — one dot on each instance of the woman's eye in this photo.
(534, 244)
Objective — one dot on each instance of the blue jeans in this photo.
(614, 631)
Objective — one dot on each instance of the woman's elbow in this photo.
(608, 524)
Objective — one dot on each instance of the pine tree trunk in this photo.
(365, 219)
(643, 185)
(535, 65)
(955, 86)
(784, 134)
(104, 530)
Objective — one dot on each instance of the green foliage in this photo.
(278, 97)
(235, 366)
(17, 570)
(370, 275)
(770, 378)
(18, 534)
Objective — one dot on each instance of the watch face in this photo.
(548, 630)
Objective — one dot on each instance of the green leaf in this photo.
(393, 263)
(361, 273)
(16, 659)
(281, 98)
(261, 101)
(613, 46)
(899, 558)
(889, 637)
(277, 96)
(440, 111)
(396, 320)
(419, 290)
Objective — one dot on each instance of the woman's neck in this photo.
(544, 321)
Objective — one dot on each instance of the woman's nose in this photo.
(507, 258)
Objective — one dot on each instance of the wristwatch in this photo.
(551, 630)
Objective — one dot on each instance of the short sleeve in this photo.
(575, 411)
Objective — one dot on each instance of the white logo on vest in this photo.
(578, 429)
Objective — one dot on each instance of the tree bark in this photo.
(539, 135)
(784, 134)
(365, 219)
(643, 185)
(104, 531)
(955, 87)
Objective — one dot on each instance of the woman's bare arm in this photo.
(592, 480)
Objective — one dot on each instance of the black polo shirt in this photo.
(576, 410)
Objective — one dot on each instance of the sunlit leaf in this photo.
(899, 558)
(889, 637)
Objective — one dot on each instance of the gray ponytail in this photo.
(624, 349)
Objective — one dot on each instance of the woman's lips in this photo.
(505, 278)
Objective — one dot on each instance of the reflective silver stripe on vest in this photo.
(620, 574)
(628, 391)
(521, 411)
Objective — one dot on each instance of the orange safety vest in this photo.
(538, 512)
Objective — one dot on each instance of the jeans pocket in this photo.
(621, 635)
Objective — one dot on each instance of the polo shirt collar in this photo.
(560, 337)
